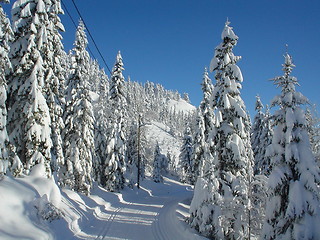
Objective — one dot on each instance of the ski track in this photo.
(153, 217)
(155, 212)
(109, 221)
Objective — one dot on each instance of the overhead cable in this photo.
(75, 25)
(94, 42)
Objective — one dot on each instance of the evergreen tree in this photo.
(54, 74)
(293, 204)
(157, 165)
(207, 112)
(261, 137)
(314, 131)
(199, 146)
(132, 154)
(257, 128)
(6, 36)
(29, 119)
(79, 120)
(100, 130)
(185, 157)
(206, 106)
(203, 145)
(264, 166)
(223, 212)
(259, 191)
(186, 97)
(135, 153)
(114, 167)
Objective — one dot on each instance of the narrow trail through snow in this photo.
(156, 211)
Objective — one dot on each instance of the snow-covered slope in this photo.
(160, 133)
(181, 105)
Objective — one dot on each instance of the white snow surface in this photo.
(155, 211)
(181, 105)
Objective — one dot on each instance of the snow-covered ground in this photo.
(155, 211)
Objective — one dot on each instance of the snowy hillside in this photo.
(181, 105)
(160, 133)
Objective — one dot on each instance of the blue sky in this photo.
(170, 42)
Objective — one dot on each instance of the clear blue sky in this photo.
(170, 42)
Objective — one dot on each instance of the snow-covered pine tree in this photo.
(171, 164)
(132, 154)
(114, 167)
(78, 134)
(198, 151)
(29, 119)
(135, 152)
(224, 214)
(256, 130)
(204, 125)
(203, 146)
(259, 191)
(261, 137)
(314, 131)
(292, 210)
(157, 165)
(185, 157)
(264, 166)
(6, 35)
(54, 57)
(206, 106)
(186, 97)
(100, 129)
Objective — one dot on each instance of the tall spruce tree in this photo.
(264, 166)
(79, 120)
(224, 213)
(257, 128)
(54, 74)
(6, 36)
(201, 159)
(206, 106)
(114, 167)
(29, 119)
(261, 137)
(199, 148)
(158, 161)
(293, 205)
(314, 131)
(100, 130)
(186, 157)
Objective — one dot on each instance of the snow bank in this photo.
(18, 215)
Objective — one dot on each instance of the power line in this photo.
(94, 42)
(75, 25)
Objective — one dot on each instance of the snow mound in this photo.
(18, 215)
